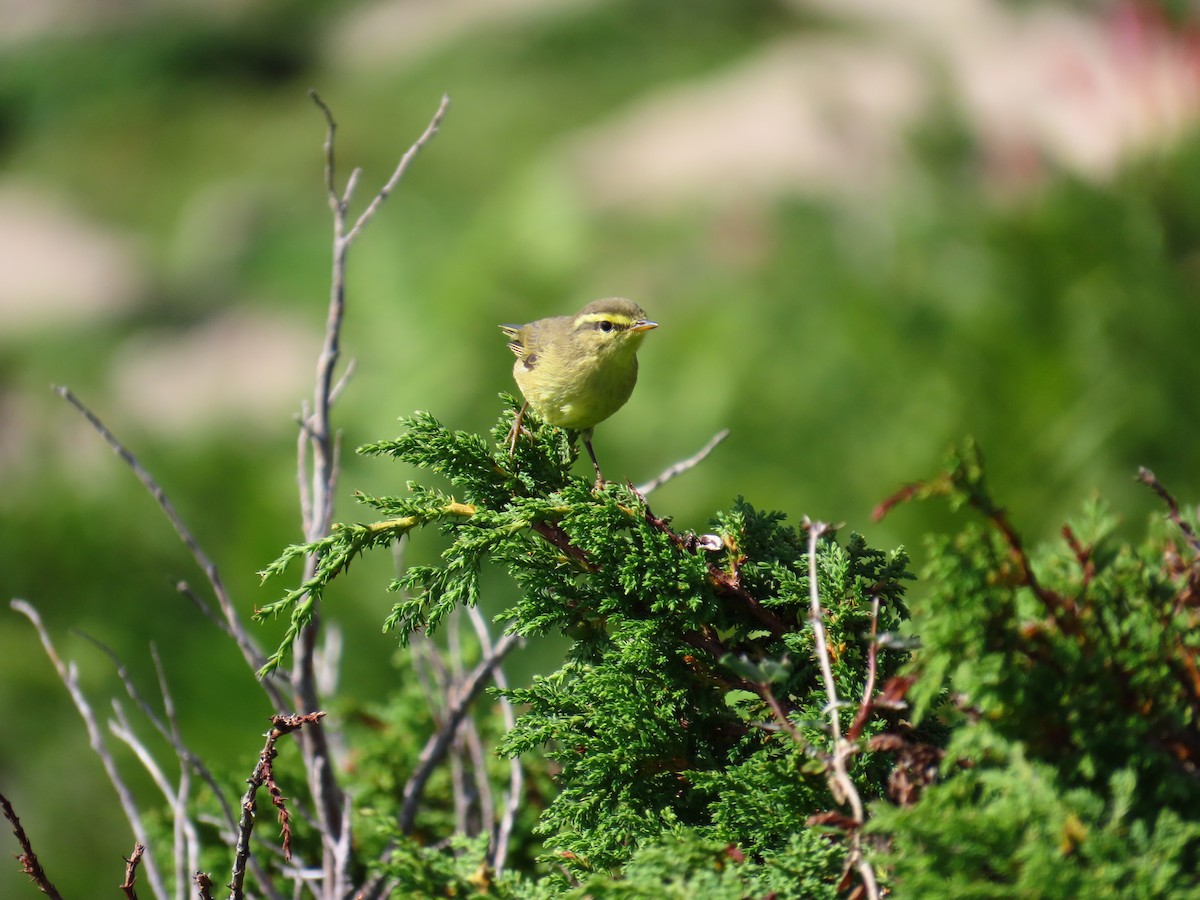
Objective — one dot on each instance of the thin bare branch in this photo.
(70, 680)
(405, 161)
(318, 470)
(1146, 477)
(439, 743)
(328, 662)
(304, 436)
(683, 465)
(207, 611)
(27, 858)
(820, 639)
(430, 672)
(342, 851)
(351, 186)
(123, 731)
(336, 391)
(250, 652)
(479, 773)
(840, 783)
(188, 761)
(783, 720)
(458, 771)
(502, 830)
(185, 837)
(330, 134)
(867, 704)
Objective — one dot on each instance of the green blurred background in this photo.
(867, 229)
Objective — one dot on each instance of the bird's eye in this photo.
(605, 326)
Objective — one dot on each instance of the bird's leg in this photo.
(515, 432)
(586, 434)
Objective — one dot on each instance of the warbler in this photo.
(576, 371)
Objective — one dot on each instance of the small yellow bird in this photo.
(576, 371)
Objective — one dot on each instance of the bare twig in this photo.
(462, 742)
(70, 680)
(1083, 555)
(405, 161)
(342, 850)
(782, 718)
(186, 838)
(336, 391)
(1146, 477)
(28, 859)
(263, 774)
(502, 830)
(250, 651)
(458, 778)
(187, 760)
(203, 886)
(486, 811)
(318, 471)
(439, 743)
(840, 782)
(430, 671)
(683, 465)
(122, 730)
(304, 436)
(186, 590)
(867, 704)
(330, 147)
(131, 865)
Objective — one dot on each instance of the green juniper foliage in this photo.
(688, 722)
(1051, 747)
(1074, 695)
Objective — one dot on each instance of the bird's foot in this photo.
(514, 433)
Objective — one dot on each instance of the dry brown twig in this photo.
(867, 705)
(203, 886)
(27, 858)
(263, 774)
(131, 865)
(1146, 477)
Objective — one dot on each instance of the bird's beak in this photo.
(643, 326)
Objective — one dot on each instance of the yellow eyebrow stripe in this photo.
(593, 318)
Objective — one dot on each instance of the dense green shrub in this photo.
(1068, 674)
(687, 726)
(1050, 749)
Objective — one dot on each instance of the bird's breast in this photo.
(571, 394)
